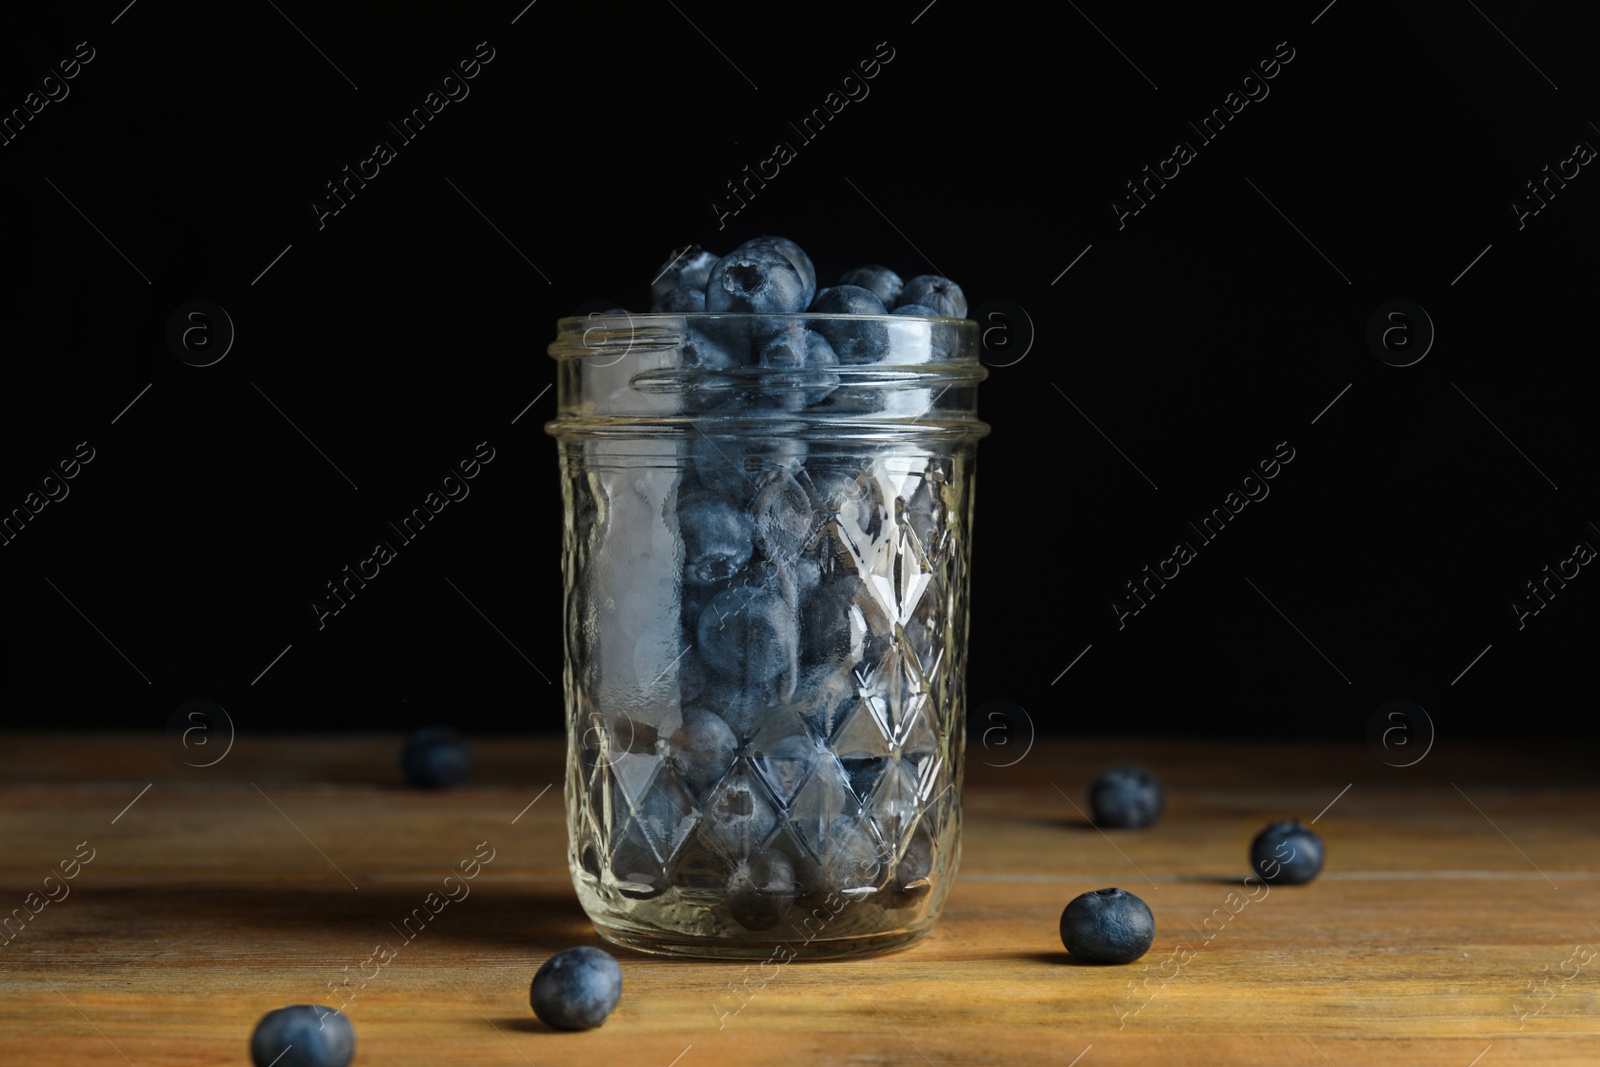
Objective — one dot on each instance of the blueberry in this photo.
(680, 301)
(853, 342)
(717, 537)
(634, 862)
(701, 750)
(733, 467)
(743, 707)
(313, 1035)
(761, 891)
(704, 348)
(795, 255)
(941, 294)
(808, 359)
(783, 518)
(748, 634)
(435, 757)
(881, 282)
(755, 279)
(576, 989)
(1125, 798)
(832, 628)
(738, 818)
(687, 269)
(1107, 926)
(1286, 853)
(853, 859)
(911, 874)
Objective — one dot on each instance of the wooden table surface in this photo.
(1457, 920)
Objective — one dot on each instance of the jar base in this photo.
(776, 950)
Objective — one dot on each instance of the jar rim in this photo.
(651, 317)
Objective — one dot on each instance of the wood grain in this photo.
(1447, 927)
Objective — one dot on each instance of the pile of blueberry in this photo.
(785, 625)
(762, 362)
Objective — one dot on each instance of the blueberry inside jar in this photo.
(766, 555)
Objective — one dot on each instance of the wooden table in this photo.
(1456, 921)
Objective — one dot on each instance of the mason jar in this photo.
(766, 557)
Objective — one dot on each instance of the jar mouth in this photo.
(650, 317)
(682, 372)
(914, 340)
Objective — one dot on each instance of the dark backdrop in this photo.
(1172, 348)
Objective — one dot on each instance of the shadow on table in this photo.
(1060, 957)
(538, 920)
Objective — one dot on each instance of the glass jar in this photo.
(766, 556)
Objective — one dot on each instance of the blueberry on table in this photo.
(882, 282)
(1126, 798)
(1286, 853)
(576, 989)
(313, 1036)
(853, 342)
(1107, 926)
(688, 269)
(939, 293)
(435, 757)
(758, 280)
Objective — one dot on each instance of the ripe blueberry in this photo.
(1126, 798)
(435, 757)
(1107, 926)
(795, 255)
(854, 342)
(748, 634)
(689, 269)
(1286, 853)
(313, 1036)
(882, 282)
(755, 279)
(701, 750)
(680, 300)
(576, 989)
(717, 537)
(941, 294)
(761, 891)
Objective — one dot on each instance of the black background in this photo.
(1222, 319)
